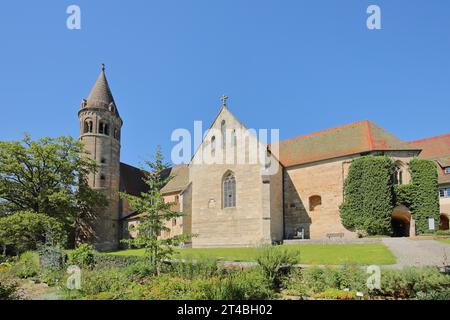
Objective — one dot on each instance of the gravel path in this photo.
(418, 252)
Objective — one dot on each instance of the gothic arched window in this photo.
(397, 175)
(234, 138)
(229, 190)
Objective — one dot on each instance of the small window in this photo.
(174, 222)
(177, 199)
(447, 170)
(102, 177)
(103, 161)
(444, 192)
(315, 202)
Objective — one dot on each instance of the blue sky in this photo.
(300, 66)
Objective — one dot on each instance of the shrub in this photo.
(108, 261)
(275, 262)
(190, 268)
(443, 294)
(51, 258)
(28, 265)
(8, 291)
(335, 294)
(243, 285)
(408, 283)
(24, 231)
(83, 256)
(315, 280)
(52, 277)
(95, 282)
(139, 270)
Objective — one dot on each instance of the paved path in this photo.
(418, 252)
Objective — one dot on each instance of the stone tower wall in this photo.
(105, 150)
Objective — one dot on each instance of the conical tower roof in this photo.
(100, 95)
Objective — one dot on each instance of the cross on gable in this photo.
(224, 99)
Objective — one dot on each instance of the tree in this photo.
(25, 230)
(157, 213)
(47, 176)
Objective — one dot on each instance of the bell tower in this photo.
(100, 129)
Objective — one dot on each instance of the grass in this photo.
(324, 254)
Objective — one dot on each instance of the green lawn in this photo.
(447, 241)
(326, 254)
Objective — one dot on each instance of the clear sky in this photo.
(297, 65)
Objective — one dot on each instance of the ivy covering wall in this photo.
(370, 196)
(422, 195)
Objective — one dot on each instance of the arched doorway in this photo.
(401, 222)
(444, 222)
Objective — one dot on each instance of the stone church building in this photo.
(239, 203)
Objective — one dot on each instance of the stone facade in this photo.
(314, 191)
(249, 222)
(100, 127)
(301, 198)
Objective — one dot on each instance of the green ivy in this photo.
(424, 194)
(370, 196)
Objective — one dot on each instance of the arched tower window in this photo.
(88, 125)
(229, 190)
(315, 202)
(103, 128)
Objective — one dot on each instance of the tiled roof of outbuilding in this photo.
(131, 180)
(358, 137)
(179, 181)
(438, 149)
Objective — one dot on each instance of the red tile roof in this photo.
(434, 147)
(358, 137)
(438, 149)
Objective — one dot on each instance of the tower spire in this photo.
(101, 95)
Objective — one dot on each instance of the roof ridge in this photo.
(369, 135)
(430, 138)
